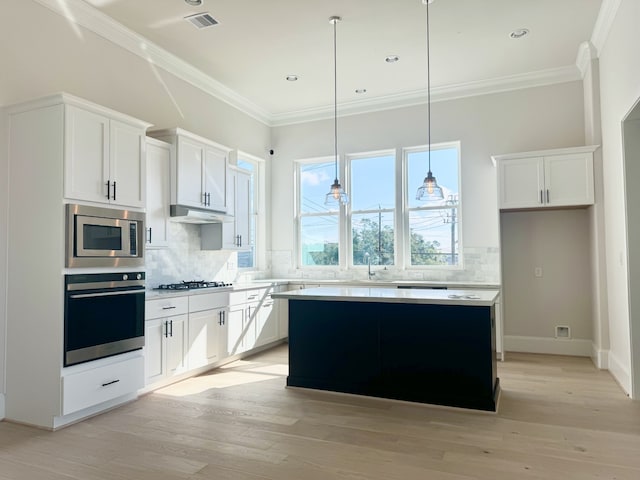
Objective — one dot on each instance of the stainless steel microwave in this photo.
(104, 237)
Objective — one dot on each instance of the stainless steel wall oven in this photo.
(103, 315)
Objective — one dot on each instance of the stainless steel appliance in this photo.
(192, 284)
(104, 237)
(103, 315)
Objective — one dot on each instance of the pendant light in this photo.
(336, 195)
(429, 190)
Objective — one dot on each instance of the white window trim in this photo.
(259, 211)
(349, 211)
(298, 215)
(407, 190)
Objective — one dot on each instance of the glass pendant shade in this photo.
(430, 190)
(336, 195)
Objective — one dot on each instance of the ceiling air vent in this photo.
(201, 20)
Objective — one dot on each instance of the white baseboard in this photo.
(2, 410)
(620, 373)
(553, 346)
(600, 357)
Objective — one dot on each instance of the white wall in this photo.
(4, 174)
(619, 90)
(557, 242)
(524, 120)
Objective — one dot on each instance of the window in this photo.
(384, 223)
(318, 224)
(373, 200)
(433, 232)
(250, 167)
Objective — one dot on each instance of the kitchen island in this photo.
(427, 346)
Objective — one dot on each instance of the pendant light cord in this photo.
(428, 93)
(335, 97)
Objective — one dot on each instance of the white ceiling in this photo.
(257, 43)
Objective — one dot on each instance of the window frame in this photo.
(406, 210)
(403, 188)
(349, 158)
(257, 210)
(340, 213)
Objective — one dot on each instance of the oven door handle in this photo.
(105, 294)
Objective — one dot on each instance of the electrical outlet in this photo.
(562, 331)
(537, 272)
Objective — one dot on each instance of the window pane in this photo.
(319, 240)
(373, 183)
(247, 165)
(434, 236)
(315, 182)
(372, 233)
(246, 258)
(444, 166)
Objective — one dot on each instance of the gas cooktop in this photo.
(192, 284)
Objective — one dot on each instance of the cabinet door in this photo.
(86, 164)
(569, 179)
(154, 350)
(203, 338)
(127, 164)
(249, 327)
(521, 183)
(235, 327)
(215, 178)
(242, 210)
(229, 239)
(177, 346)
(190, 159)
(267, 322)
(158, 194)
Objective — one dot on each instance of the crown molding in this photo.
(438, 94)
(604, 22)
(81, 13)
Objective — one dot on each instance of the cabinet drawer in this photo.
(164, 307)
(208, 301)
(91, 387)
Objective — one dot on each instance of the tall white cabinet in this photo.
(55, 145)
(158, 192)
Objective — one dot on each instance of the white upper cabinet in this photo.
(199, 169)
(236, 232)
(104, 158)
(158, 192)
(551, 178)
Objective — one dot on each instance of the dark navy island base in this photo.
(428, 353)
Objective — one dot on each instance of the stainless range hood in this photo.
(182, 214)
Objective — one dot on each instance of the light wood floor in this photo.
(559, 418)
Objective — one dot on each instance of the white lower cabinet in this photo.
(183, 334)
(97, 385)
(207, 319)
(166, 330)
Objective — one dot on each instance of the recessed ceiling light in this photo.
(292, 78)
(361, 90)
(193, 3)
(392, 59)
(519, 33)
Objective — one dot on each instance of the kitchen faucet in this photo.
(370, 273)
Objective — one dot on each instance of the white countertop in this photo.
(470, 297)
